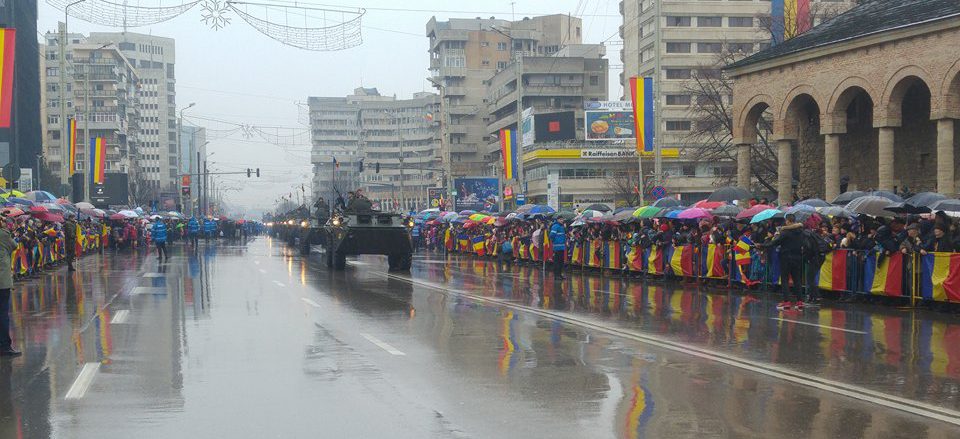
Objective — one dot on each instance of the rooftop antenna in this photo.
(513, 11)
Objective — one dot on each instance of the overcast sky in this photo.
(239, 75)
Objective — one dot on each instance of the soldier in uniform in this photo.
(70, 240)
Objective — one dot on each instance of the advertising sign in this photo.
(527, 134)
(114, 191)
(609, 120)
(553, 127)
(26, 179)
(436, 194)
(607, 153)
(476, 193)
(553, 190)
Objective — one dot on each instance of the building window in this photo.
(740, 21)
(127, 46)
(678, 125)
(484, 43)
(501, 65)
(502, 46)
(709, 21)
(708, 73)
(678, 99)
(709, 47)
(485, 63)
(675, 21)
(678, 73)
(53, 71)
(594, 80)
(678, 47)
(740, 47)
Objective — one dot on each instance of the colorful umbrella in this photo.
(490, 220)
(449, 216)
(49, 216)
(704, 204)
(477, 217)
(11, 211)
(467, 212)
(470, 224)
(694, 213)
(749, 213)
(646, 212)
(40, 197)
(765, 215)
(38, 209)
(21, 201)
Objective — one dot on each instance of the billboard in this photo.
(114, 191)
(436, 196)
(608, 120)
(553, 127)
(476, 193)
(527, 135)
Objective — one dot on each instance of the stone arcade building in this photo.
(872, 95)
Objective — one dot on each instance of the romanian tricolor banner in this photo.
(641, 91)
(833, 272)
(635, 258)
(940, 277)
(577, 254)
(789, 18)
(72, 145)
(885, 277)
(463, 243)
(742, 250)
(681, 261)
(508, 150)
(478, 246)
(98, 159)
(715, 261)
(8, 44)
(612, 256)
(595, 254)
(448, 240)
(655, 260)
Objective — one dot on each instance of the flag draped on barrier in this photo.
(940, 276)
(655, 260)
(612, 255)
(681, 261)
(883, 277)
(478, 245)
(635, 258)
(833, 272)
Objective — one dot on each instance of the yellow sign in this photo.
(577, 154)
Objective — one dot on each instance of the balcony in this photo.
(441, 72)
(454, 91)
(460, 148)
(461, 109)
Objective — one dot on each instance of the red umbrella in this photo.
(49, 216)
(38, 209)
(470, 224)
(11, 211)
(749, 213)
(118, 217)
(708, 205)
(62, 201)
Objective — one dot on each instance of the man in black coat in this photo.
(790, 241)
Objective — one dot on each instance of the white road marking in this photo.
(83, 381)
(786, 374)
(381, 344)
(310, 302)
(120, 317)
(153, 275)
(279, 284)
(819, 326)
(262, 271)
(256, 262)
(358, 263)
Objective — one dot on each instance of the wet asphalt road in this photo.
(253, 341)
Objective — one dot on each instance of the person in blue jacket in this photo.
(193, 231)
(159, 236)
(558, 238)
(209, 228)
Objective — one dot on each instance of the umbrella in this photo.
(17, 200)
(117, 217)
(924, 199)
(704, 204)
(765, 215)
(63, 201)
(815, 202)
(40, 196)
(727, 210)
(749, 213)
(665, 213)
(694, 213)
(49, 216)
(836, 211)
(490, 220)
(667, 202)
(888, 195)
(904, 207)
(730, 193)
(95, 213)
(38, 209)
(470, 224)
(870, 205)
(538, 209)
(646, 211)
(948, 205)
(467, 212)
(566, 214)
(846, 197)
(598, 207)
(477, 217)
(128, 214)
(84, 205)
(14, 193)
(801, 208)
(449, 216)
(624, 216)
(590, 213)
(11, 211)
(432, 222)
(673, 214)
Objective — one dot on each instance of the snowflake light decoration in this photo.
(214, 14)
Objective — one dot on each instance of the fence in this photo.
(933, 276)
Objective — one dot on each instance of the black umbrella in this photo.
(598, 207)
(566, 214)
(888, 195)
(667, 202)
(925, 199)
(847, 197)
(948, 205)
(814, 202)
(729, 194)
(727, 210)
(870, 205)
(905, 207)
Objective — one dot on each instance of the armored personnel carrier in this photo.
(360, 230)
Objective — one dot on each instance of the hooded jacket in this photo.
(790, 241)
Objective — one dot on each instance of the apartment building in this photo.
(100, 87)
(464, 55)
(397, 140)
(677, 40)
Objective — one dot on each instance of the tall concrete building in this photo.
(397, 141)
(101, 93)
(20, 143)
(464, 55)
(154, 59)
(193, 149)
(676, 40)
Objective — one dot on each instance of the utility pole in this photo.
(206, 190)
(403, 203)
(518, 137)
(657, 151)
(88, 167)
(199, 187)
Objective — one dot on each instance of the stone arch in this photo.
(745, 128)
(909, 105)
(799, 125)
(789, 110)
(842, 96)
(850, 118)
(888, 109)
(950, 93)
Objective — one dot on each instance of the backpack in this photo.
(814, 244)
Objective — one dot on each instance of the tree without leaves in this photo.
(623, 186)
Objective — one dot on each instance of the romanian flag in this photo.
(887, 332)
(641, 91)
(594, 258)
(940, 276)
(547, 248)
(613, 255)
(790, 18)
(524, 250)
(72, 145)
(534, 254)
(742, 250)
(508, 150)
(655, 260)
(635, 258)
(448, 240)
(681, 261)
(715, 261)
(463, 243)
(98, 159)
(8, 45)
(886, 277)
(833, 272)
(478, 246)
(577, 257)
(939, 347)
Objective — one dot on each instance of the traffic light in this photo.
(248, 172)
(258, 172)
(361, 165)
(185, 190)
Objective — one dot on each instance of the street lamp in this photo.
(180, 147)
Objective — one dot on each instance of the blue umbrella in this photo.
(40, 196)
(673, 214)
(801, 208)
(765, 215)
(21, 201)
(540, 209)
(815, 202)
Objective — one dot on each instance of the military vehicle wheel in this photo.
(329, 253)
(399, 262)
(339, 261)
